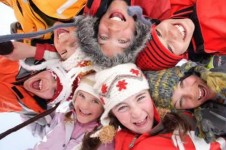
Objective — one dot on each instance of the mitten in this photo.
(136, 11)
(211, 121)
(46, 51)
(6, 48)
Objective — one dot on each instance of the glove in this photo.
(211, 121)
(6, 48)
(40, 127)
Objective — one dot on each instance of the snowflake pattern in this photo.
(121, 85)
(135, 71)
(104, 88)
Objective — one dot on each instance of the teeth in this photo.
(84, 112)
(181, 30)
(116, 19)
(200, 94)
(61, 34)
(40, 85)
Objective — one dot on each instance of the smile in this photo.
(182, 30)
(37, 85)
(141, 122)
(61, 32)
(202, 92)
(117, 16)
(83, 113)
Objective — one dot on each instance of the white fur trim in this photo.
(74, 59)
(41, 66)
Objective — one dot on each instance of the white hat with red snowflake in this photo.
(118, 83)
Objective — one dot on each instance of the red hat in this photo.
(155, 56)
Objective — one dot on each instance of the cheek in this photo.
(46, 95)
(98, 110)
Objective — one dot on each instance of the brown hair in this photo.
(168, 124)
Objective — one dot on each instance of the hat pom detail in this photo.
(107, 134)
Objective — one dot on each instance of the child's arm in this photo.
(18, 50)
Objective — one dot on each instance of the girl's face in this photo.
(136, 112)
(175, 34)
(65, 41)
(116, 29)
(87, 107)
(43, 84)
(191, 92)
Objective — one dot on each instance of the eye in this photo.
(102, 37)
(96, 101)
(170, 48)
(140, 98)
(122, 108)
(122, 41)
(81, 95)
(158, 33)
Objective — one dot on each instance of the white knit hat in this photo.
(116, 84)
(86, 84)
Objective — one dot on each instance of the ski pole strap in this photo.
(29, 121)
(5, 38)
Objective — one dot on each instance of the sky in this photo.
(22, 139)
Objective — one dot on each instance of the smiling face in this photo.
(65, 41)
(191, 92)
(116, 29)
(43, 84)
(136, 113)
(88, 108)
(175, 34)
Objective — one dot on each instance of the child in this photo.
(188, 34)
(34, 15)
(132, 110)
(170, 87)
(34, 92)
(72, 121)
(188, 87)
(66, 43)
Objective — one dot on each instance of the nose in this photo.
(84, 104)
(135, 112)
(173, 33)
(114, 27)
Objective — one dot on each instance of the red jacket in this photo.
(156, 9)
(125, 139)
(11, 94)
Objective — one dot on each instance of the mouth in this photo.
(37, 85)
(117, 16)
(83, 113)
(202, 92)
(181, 30)
(141, 122)
(61, 32)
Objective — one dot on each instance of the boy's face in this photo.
(88, 108)
(175, 34)
(116, 29)
(191, 92)
(65, 41)
(43, 84)
(136, 112)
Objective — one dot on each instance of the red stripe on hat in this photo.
(155, 56)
